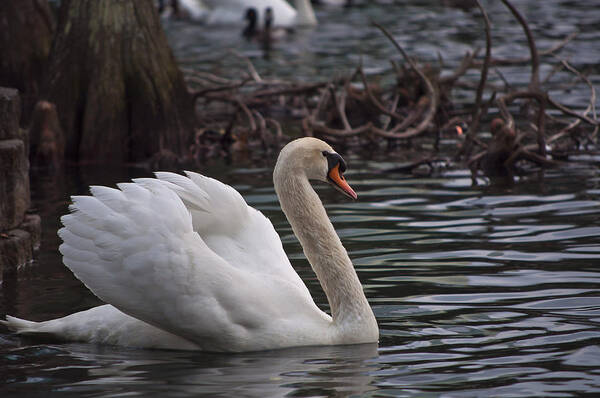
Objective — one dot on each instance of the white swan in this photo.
(195, 267)
(195, 10)
(226, 12)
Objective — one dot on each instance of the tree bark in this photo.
(26, 29)
(119, 93)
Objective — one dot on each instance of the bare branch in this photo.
(276, 126)
(527, 59)
(535, 60)
(431, 90)
(478, 111)
(201, 93)
(321, 128)
(571, 112)
(248, 113)
(373, 99)
(251, 69)
(464, 66)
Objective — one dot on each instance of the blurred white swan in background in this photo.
(215, 12)
(185, 263)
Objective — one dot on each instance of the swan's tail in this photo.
(37, 330)
(21, 326)
(101, 325)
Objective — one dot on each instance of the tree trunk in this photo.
(119, 93)
(26, 29)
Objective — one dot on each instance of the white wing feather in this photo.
(238, 233)
(189, 256)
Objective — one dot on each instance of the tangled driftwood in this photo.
(505, 149)
(356, 111)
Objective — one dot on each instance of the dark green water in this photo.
(479, 291)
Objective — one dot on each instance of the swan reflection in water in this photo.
(329, 369)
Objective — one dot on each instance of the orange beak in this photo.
(339, 182)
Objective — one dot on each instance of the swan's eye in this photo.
(333, 159)
(342, 165)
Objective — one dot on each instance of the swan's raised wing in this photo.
(136, 249)
(238, 233)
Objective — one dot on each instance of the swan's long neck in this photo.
(324, 250)
(305, 14)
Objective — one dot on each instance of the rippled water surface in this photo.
(478, 290)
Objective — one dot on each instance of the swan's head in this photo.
(251, 15)
(269, 17)
(318, 160)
